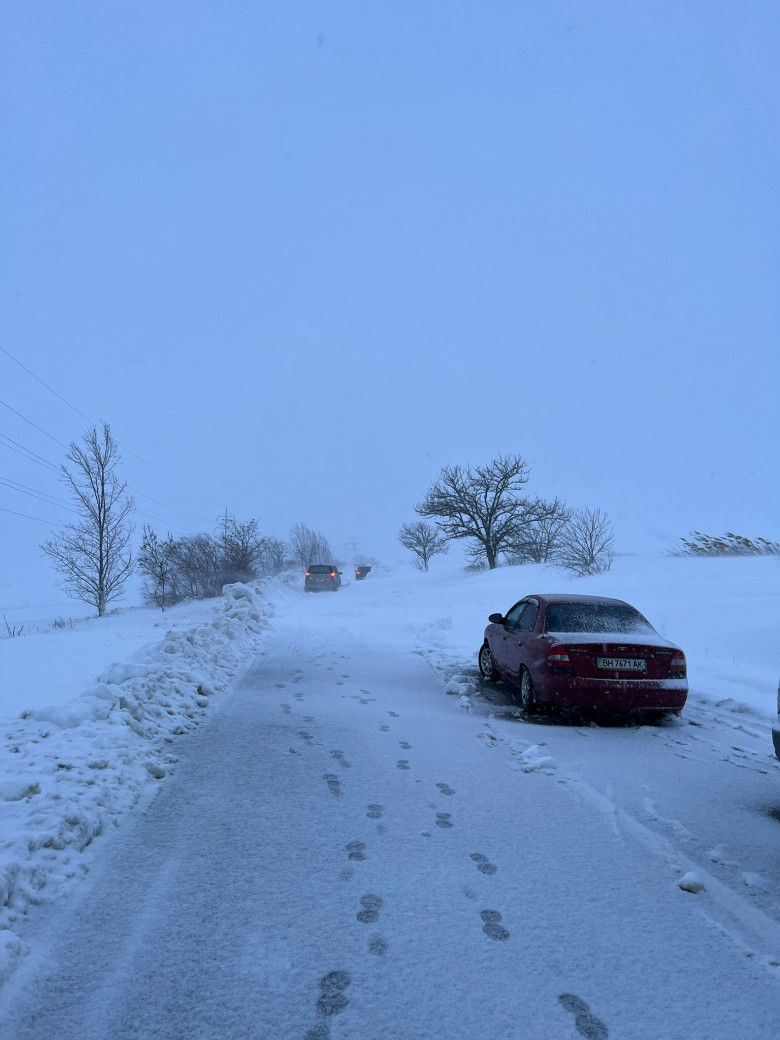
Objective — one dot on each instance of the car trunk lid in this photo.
(617, 659)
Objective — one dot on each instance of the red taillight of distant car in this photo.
(307, 574)
(558, 660)
(677, 667)
(333, 574)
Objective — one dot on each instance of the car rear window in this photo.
(594, 617)
(320, 568)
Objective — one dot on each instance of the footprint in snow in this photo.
(371, 906)
(586, 1023)
(492, 927)
(484, 866)
(356, 850)
(444, 820)
(402, 763)
(445, 789)
(334, 785)
(375, 811)
(332, 1000)
(406, 746)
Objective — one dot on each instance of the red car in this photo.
(584, 652)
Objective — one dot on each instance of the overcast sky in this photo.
(301, 255)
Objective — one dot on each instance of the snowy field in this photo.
(668, 831)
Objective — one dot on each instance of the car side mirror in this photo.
(496, 619)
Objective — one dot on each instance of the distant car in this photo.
(776, 729)
(322, 577)
(584, 652)
(361, 572)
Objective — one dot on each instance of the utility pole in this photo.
(352, 545)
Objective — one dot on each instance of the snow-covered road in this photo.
(344, 852)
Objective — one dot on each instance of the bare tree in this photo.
(94, 555)
(307, 546)
(424, 541)
(156, 561)
(585, 545)
(483, 505)
(537, 541)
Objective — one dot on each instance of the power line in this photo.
(28, 454)
(32, 456)
(34, 424)
(43, 383)
(78, 412)
(172, 509)
(21, 449)
(51, 523)
(23, 489)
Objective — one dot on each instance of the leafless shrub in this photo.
(242, 550)
(156, 561)
(273, 556)
(307, 546)
(585, 544)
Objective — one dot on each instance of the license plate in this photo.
(622, 664)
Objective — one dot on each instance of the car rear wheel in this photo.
(487, 667)
(527, 693)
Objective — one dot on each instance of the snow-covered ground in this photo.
(83, 733)
(657, 846)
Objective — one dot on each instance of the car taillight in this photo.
(677, 669)
(558, 660)
(308, 575)
(333, 574)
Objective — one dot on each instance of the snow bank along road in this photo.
(345, 852)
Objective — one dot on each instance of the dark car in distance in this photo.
(322, 577)
(361, 572)
(586, 652)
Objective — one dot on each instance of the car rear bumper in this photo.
(614, 694)
(776, 739)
